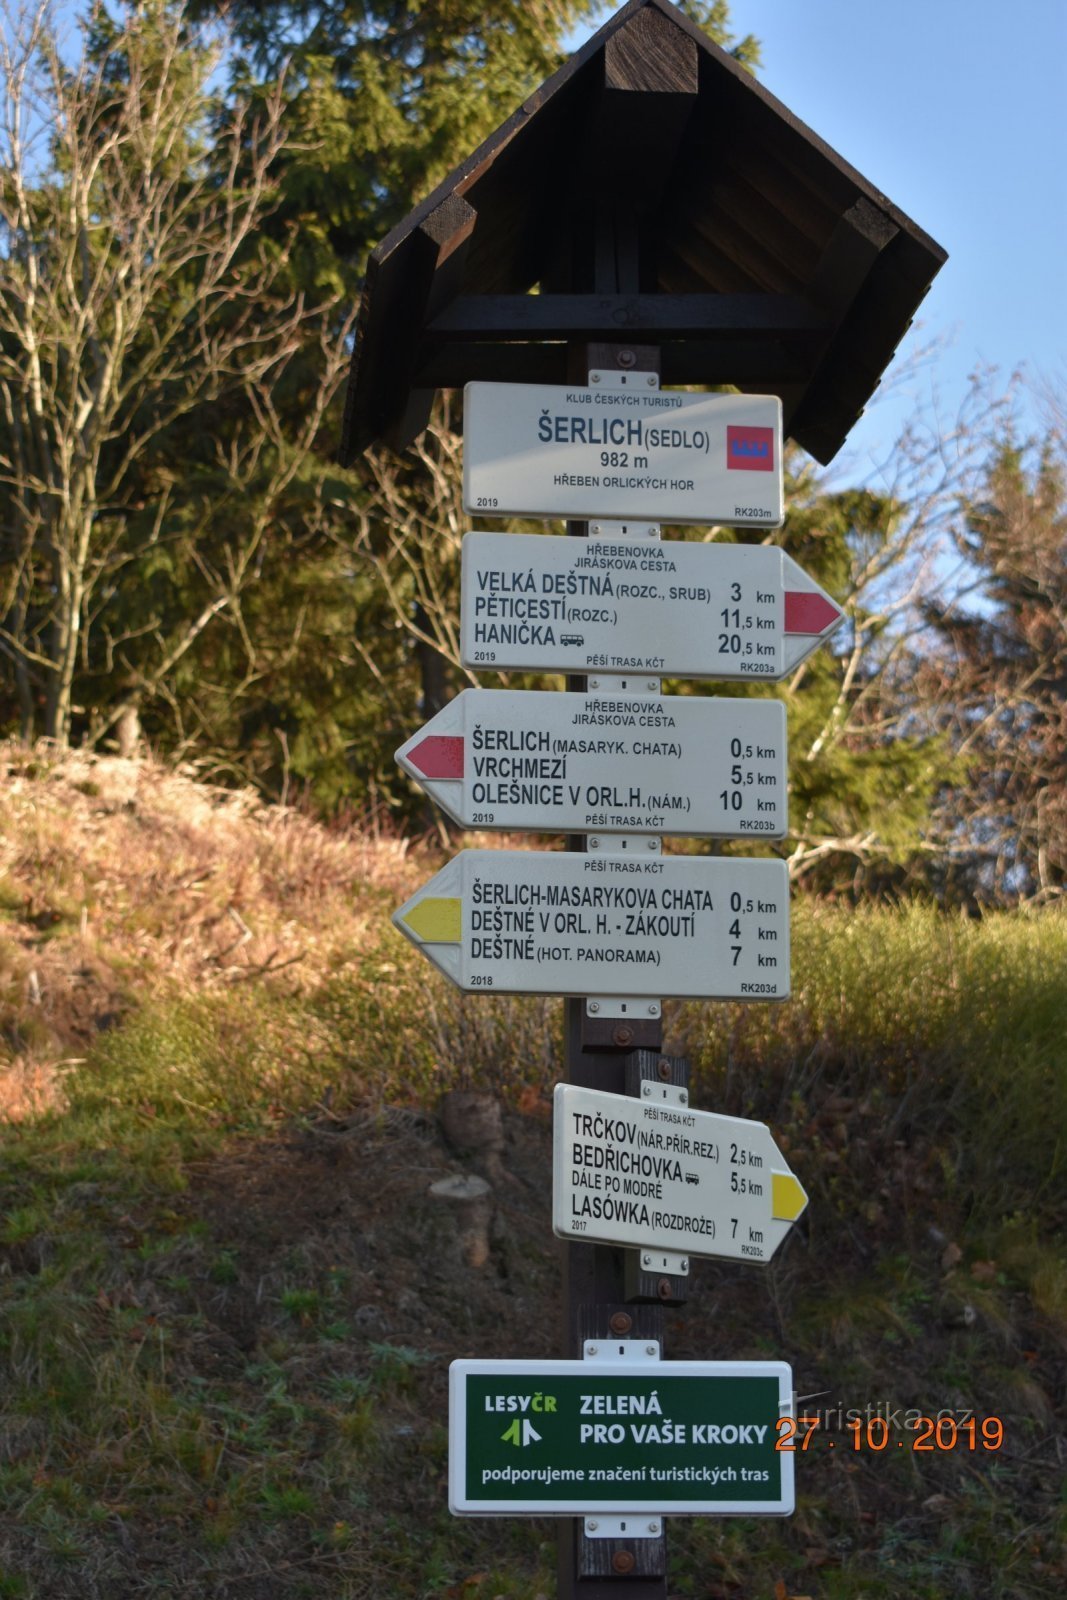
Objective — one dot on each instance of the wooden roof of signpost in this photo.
(650, 192)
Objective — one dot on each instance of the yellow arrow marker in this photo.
(787, 1197)
(436, 920)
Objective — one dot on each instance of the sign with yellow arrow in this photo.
(626, 923)
(653, 1174)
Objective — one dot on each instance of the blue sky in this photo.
(957, 110)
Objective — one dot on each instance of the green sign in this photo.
(619, 1434)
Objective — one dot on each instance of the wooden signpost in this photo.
(682, 228)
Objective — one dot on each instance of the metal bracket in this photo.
(609, 1352)
(631, 1527)
(645, 843)
(617, 842)
(665, 1261)
(629, 685)
(668, 1094)
(624, 530)
(612, 1350)
(619, 378)
(634, 1008)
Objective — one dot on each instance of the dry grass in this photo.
(126, 885)
(123, 880)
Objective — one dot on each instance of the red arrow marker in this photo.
(808, 613)
(438, 756)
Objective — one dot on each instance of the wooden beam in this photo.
(398, 294)
(617, 250)
(636, 125)
(450, 366)
(651, 54)
(629, 316)
(840, 387)
(854, 285)
(435, 278)
(857, 241)
(747, 363)
(594, 1277)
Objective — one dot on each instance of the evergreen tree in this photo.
(382, 102)
(862, 777)
(385, 98)
(229, 582)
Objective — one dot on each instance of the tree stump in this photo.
(470, 1208)
(472, 1124)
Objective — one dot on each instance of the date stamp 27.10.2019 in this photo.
(874, 1435)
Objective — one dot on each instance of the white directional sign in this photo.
(546, 450)
(540, 603)
(606, 924)
(636, 761)
(657, 1175)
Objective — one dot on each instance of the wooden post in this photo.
(596, 1303)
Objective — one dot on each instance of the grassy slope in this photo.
(228, 1308)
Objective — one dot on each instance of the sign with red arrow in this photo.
(633, 762)
(676, 609)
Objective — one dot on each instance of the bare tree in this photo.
(994, 678)
(867, 767)
(136, 285)
(408, 528)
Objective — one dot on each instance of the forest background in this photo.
(185, 215)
